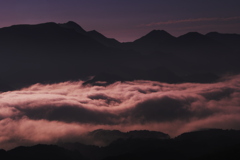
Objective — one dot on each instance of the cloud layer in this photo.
(67, 111)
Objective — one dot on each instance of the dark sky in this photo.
(127, 20)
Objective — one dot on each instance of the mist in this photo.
(67, 111)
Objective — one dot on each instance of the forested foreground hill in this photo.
(198, 145)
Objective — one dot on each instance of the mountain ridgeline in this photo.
(51, 52)
(198, 145)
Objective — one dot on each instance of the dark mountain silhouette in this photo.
(211, 136)
(109, 42)
(51, 52)
(162, 74)
(156, 37)
(39, 152)
(200, 52)
(208, 141)
(119, 142)
(198, 145)
(162, 42)
(108, 136)
(141, 149)
(47, 38)
(89, 151)
(231, 153)
(194, 37)
(74, 26)
(207, 54)
(197, 44)
(232, 40)
(194, 145)
(3, 154)
(203, 144)
(151, 42)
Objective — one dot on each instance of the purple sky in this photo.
(127, 20)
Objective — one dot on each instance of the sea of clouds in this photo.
(51, 113)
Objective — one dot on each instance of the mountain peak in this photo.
(194, 37)
(192, 34)
(156, 36)
(73, 25)
(158, 33)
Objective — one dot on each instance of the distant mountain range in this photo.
(73, 38)
(199, 145)
(52, 52)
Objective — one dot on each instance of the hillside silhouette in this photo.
(198, 145)
(40, 152)
(193, 145)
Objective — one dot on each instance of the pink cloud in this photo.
(67, 111)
